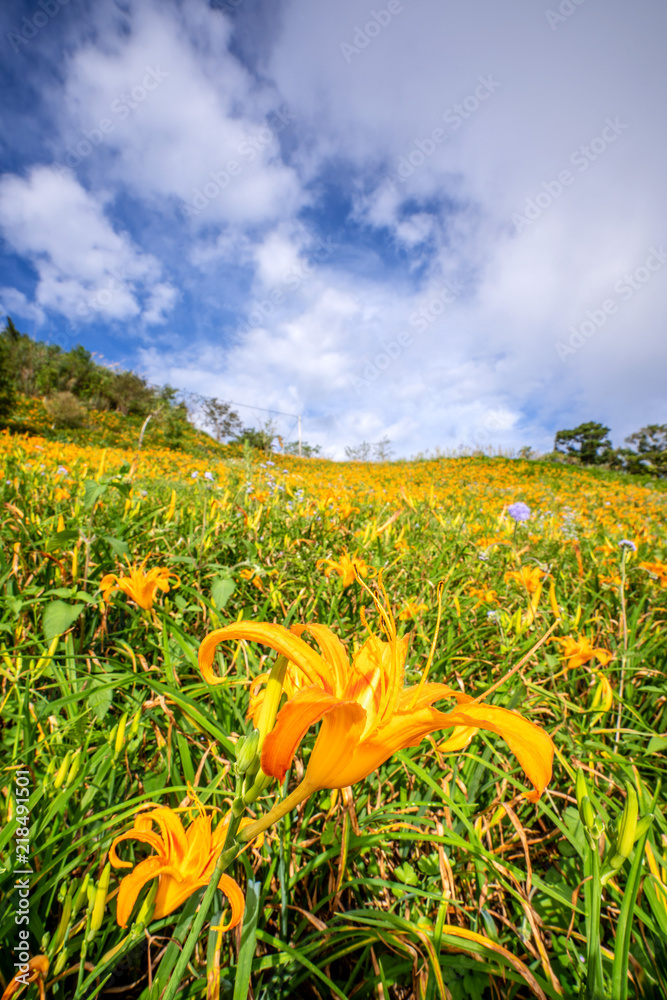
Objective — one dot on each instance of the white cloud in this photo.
(85, 267)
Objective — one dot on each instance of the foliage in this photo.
(65, 410)
(307, 450)
(433, 877)
(381, 451)
(222, 421)
(589, 443)
(648, 453)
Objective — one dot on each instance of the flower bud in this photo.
(246, 752)
(74, 768)
(99, 903)
(626, 828)
(62, 770)
(120, 735)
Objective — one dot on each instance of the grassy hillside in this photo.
(435, 875)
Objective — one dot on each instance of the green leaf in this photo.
(93, 492)
(117, 545)
(656, 744)
(405, 873)
(58, 617)
(61, 539)
(248, 940)
(222, 589)
(100, 699)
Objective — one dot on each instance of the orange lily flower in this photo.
(580, 651)
(484, 595)
(184, 863)
(412, 609)
(139, 586)
(38, 969)
(658, 571)
(366, 713)
(348, 568)
(530, 577)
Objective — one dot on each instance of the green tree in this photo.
(221, 420)
(648, 451)
(588, 442)
(7, 385)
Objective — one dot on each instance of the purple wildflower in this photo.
(519, 511)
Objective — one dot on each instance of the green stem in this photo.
(224, 860)
(594, 980)
(280, 809)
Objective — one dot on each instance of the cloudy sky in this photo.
(439, 222)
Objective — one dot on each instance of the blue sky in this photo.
(441, 223)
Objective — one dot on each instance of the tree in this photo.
(307, 450)
(7, 390)
(219, 417)
(588, 442)
(261, 438)
(648, 453)
(381, 451)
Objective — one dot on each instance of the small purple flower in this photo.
(626, 543)
(519, 511)
(61, 471)
(194, 474)
(208, 475)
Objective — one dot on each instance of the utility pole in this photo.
(299, 435)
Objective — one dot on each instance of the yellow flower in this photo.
(580, 651)
(366, 713)
(139, 586)
(348, 568)
(184, 863)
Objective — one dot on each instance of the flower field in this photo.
(480, 813)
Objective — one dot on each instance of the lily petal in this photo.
(292, 723)
(277, 637)
(530, 744)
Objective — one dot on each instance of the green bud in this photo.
(61, 962)
(120, 735)
(74, 768)
(64, 920)
(628, 825)
(246, 752)
(582, 788)
(81, 895)
(61, 773)
(99, 903)
(643, 825)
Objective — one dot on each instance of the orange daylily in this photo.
(184, 863)
(38, 969)
(530, 577)
(348, 568)
(141, 587)
(367, 714)
(658, 570)
(412, 609)
(580, 651)
(483, 594)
